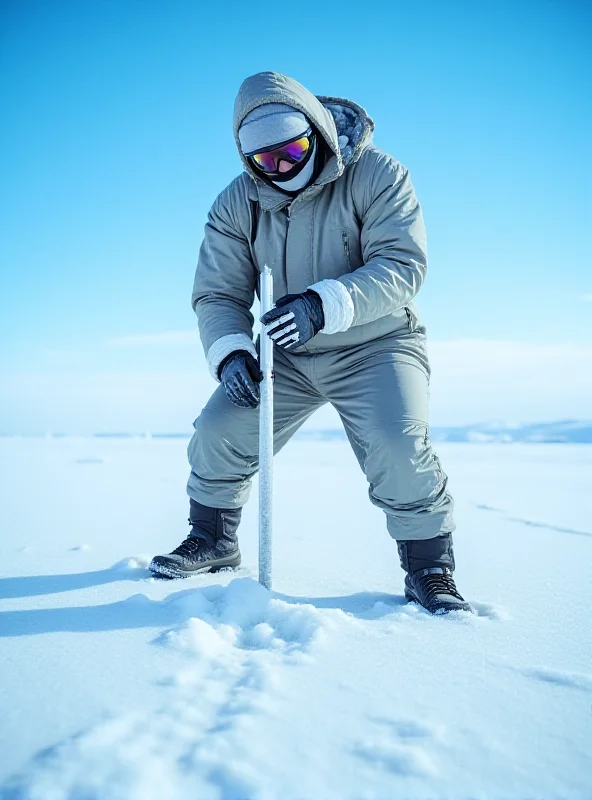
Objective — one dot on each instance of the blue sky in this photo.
(116, 138)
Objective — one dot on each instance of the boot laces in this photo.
(434, 584)
(189, 546)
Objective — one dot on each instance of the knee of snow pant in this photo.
(223, 457)
(426, 553)
(407, 481)
(224, 450)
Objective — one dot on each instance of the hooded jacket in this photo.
(356, 235)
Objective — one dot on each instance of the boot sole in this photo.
(172, 571)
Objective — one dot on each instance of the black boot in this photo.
(211, 544)
(434, 588)
(429, 564)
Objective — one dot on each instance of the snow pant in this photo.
(380, 390)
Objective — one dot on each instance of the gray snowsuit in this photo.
(356, 236)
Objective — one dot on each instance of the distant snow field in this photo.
(116, 686)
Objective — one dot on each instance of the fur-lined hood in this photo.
(344, 125)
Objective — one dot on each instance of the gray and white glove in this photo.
(295, 319)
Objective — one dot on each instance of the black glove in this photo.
(295, 319)
(240, 376)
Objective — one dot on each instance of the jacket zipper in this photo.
(286, 245)
(345, 241)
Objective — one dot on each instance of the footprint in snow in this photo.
(409, 729)
(400, 746)
(236, 637)
(571, 680)
(480, 610)
(132, 563)
(490, 611)
(533, 523)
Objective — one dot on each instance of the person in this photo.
(338, 222)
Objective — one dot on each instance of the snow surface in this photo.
(121, 687)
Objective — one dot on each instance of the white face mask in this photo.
(303, 178)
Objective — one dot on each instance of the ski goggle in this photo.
(293, 152)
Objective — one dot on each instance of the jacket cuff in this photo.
(226, 345)
(338, 307)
